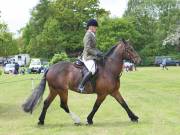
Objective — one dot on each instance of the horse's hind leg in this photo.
(47, 102)
(120, 99)
(64, 99)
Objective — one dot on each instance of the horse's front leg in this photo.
(99, 100)
(120, 99)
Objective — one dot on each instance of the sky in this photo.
(16, 13)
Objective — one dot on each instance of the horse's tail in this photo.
(36, 96)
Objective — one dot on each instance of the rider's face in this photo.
(93, 28)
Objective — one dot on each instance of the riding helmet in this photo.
(92, 22)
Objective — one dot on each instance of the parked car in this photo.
(9, 68)
(35, 66)
(1, 60)
(169, 61)
(45, 66)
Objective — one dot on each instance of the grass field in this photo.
(153, 94)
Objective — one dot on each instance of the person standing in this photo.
(16, 71)
(164, 64)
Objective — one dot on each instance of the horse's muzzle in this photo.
(137, 60)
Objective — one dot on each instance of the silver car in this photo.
(9, 68)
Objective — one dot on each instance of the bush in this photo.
(59, 57)
(148, 61)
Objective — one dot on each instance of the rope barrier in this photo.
(32, 81)
(4, 82)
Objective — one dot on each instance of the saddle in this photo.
(80, 64)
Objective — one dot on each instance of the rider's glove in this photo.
(100, 54)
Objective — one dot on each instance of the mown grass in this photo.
(153, 94)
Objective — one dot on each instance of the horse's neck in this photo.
(114, 62)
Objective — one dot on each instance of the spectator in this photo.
(16, 71)
(22, 71)
(164, 64)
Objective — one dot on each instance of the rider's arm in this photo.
(91, 46)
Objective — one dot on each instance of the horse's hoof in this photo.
(134, 119)
(41, 123)
(90, 122)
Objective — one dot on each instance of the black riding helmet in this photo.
(92, 22)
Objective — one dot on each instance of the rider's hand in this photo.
(100, 54)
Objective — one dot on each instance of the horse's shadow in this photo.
(98, 124)
(115, 124)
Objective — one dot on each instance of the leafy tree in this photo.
(111, 30)
(20, 45)
(173, 39)
(7, 44)
(153, 20)
(57, 26)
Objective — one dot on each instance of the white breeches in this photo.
(91, 66)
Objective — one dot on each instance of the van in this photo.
(169, 61)
(35, 66)
(22, 59)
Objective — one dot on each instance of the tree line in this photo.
(8, 45)
(59, 26)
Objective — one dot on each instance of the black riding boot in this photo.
(84, 80)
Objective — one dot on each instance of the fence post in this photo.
(32, 83)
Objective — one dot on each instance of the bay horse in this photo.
(64, 76)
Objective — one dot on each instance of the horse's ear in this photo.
(124, 41)
(128, 41)
(121, 39)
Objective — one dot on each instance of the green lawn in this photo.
(153, 94)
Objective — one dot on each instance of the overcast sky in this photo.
(16, 13)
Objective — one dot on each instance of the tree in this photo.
(153, 20)
(111, 30)
(173, 39)
(7, 44)
(57, 26)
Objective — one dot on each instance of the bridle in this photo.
(127, 53)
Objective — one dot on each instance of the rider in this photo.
(90, 52)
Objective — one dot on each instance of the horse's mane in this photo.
(106, 55)
(110, 51)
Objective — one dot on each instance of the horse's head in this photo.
(129, 53)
